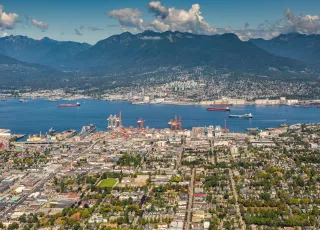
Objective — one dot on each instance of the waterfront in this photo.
(40, 115)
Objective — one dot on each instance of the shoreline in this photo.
(311, 102)
(314, 103)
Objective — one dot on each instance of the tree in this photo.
(14, 225)
(265, 196)
(23, 218)
(55, 181)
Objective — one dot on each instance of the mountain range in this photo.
(297, 46)
(151, 49)
(23, 56)
(45, 51)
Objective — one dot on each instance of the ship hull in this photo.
(68, 105)
(241, 116)
(218, 109)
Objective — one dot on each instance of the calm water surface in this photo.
(40, 115)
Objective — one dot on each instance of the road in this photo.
(190, 201)
(211, 150)
(235, 195)
(179, 158)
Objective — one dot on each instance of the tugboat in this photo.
(252, 129)
(69, 105)
(226, 109)
(249, 115)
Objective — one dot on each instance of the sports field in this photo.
(108, 183)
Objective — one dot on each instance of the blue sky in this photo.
(62, 17)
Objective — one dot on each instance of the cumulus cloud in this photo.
(193, 21)
(158, 9)
(77, 32)
(306, 24)
(128, 18)
(43, 26)
(7, 20)
(290, 23)
(165, 19)
(186, 21)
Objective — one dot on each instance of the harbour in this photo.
(35, 116)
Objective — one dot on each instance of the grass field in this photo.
(108, 183)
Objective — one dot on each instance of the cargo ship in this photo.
(69, 105)
(226, 109)
(249, 115)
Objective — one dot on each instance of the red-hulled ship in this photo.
(69, 105)
(226, 109)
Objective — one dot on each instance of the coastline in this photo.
(313, 102)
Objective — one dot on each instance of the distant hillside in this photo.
(17, 74)
(151, 49)
(127, 59)
(301, 47)
(45, 51)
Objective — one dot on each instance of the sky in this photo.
(94, 20)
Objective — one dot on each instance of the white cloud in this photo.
(166, 19)
(158, 9)
(4, 34)
(290, 23)
(128, 18)
(187, 21)
(159, 25)
(7, 20)
(43, 26)
(192, 21)
(306, 24)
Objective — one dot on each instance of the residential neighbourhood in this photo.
(165, 179)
